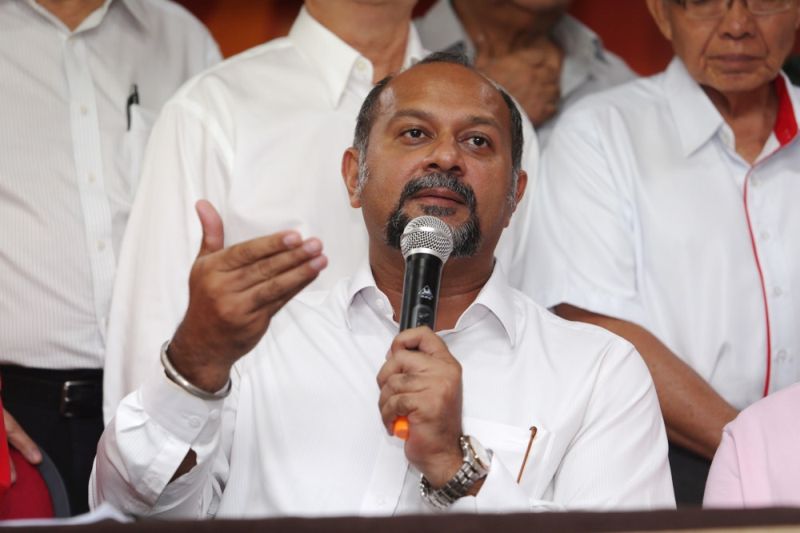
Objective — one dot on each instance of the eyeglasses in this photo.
(714, 9)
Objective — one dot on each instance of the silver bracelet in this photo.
(185, 384)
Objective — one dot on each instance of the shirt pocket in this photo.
(526, 458)
(134, 144)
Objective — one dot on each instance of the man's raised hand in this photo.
(234, 293)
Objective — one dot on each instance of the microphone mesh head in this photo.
(427, 234)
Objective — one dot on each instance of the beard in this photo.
(466, 236)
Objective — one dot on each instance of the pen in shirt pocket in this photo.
(527, 453)
(133, 99)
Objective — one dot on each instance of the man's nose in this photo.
(445, 156)
(738, 21)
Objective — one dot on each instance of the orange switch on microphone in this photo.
(400, 428)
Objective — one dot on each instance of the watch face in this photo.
(482, 456)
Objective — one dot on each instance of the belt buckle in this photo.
(64, 407)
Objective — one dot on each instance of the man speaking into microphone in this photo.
(509, 408)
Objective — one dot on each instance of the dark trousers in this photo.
(66, 421)
(689, 474)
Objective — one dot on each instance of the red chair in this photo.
(39, 491)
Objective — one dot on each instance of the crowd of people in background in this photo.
(202, 262)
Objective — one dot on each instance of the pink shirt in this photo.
(757, 464)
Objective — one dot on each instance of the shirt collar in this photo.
(333, 58)
(446, 31)
(495, 298)
(583, 49)
(698, 120)
(786, 122)
(695, 116)
(136, 9)
(578, 40)
(96, 17)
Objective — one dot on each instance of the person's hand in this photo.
(421, 380)
(532, 75)
(21, 441)
(234, 293)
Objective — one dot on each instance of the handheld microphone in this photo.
(426, 243)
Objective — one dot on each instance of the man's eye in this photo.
(414, 133)
(479, 141)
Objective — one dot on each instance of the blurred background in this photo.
(624, 26)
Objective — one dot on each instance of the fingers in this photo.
(280, 288)
(421, 339)
(213, 234)
(20, 440)
(403, 362)
(400, 384)
(281, 261)
(396, 406)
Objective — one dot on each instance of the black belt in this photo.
(72, 393)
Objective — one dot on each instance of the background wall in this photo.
(624, 25)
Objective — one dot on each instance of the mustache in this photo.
(438, 180)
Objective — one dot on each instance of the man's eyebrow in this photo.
(412, 113)
(480, 120)
(475, 120)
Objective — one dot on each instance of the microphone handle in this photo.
(420, 299)
(420, 291)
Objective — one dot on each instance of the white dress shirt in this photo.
(647, 213)
(262, 137)
(587, 66)
(69, 162)
(301, 433)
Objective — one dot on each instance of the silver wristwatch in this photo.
(475, 467)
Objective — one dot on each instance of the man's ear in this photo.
(350, 175)
(659, 12)
(519, 194)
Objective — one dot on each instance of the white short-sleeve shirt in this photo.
(645, 212)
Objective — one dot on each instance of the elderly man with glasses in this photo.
(666, 215)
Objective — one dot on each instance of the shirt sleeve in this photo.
(144, 444)
(583, 236)
(187, 158)
(724, 484)
(617, 460)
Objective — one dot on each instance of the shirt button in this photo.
(777, 292)
(755, 182)
(361, 65)
(84, 110)
(781, 354)
(194, 422)
(101, 245)
(764, 235)
(214, 414)
(92, 179)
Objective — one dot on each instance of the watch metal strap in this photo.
(458, 486)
